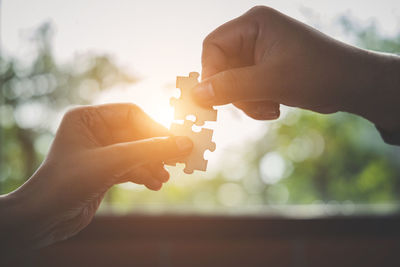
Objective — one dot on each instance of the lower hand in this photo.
(95, 147)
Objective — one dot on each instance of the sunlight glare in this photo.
(163, 115)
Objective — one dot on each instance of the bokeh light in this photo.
(320, 161)
(230, 194)
(273, 168)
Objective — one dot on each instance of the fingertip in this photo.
(153, 185)
(163, 175)
(184, 144)
(262, 116)
(204, 93)
(158, 171)
(265, 110)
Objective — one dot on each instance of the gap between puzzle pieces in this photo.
(202, 141)
(185, 105)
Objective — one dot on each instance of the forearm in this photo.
(10, 226)
(21, 227)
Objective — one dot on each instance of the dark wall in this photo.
(227, 241)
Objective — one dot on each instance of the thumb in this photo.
(119, 157)
(234, 85)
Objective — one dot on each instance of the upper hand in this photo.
(265, 58)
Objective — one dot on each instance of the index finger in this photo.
(116, 123)
(229, 46)
(123, 115)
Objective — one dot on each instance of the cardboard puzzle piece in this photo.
(185, 105)
(202, 141)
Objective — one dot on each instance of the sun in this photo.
(163, 115)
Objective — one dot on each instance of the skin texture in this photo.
(264, 58)
(95, 147)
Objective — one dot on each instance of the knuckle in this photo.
(134, 111)
(262, 11)
(117, 106)
(75, 111)
(213, 37)
(208, 40)
(82, 114)
(89, 116)
(134, 108)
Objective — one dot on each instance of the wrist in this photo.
(389, 95)
(376, 94)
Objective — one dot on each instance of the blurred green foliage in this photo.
(34, 91)
(303, 158)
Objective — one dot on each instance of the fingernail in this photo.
(264, 110)
(267, 111)
(184, 144)
(204, 92)
(272, 115)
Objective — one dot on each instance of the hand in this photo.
(265, 58)
(95, 147)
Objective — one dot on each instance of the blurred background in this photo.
(57, 54)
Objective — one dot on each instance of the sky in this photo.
(159, 40)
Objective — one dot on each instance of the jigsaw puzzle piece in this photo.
(188, 81)
(185, 105)
(201, 141)
(201, 114)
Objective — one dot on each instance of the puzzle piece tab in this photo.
(185, 105)
(201, 141)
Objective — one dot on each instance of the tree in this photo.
(34, 93)
(302, 158)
